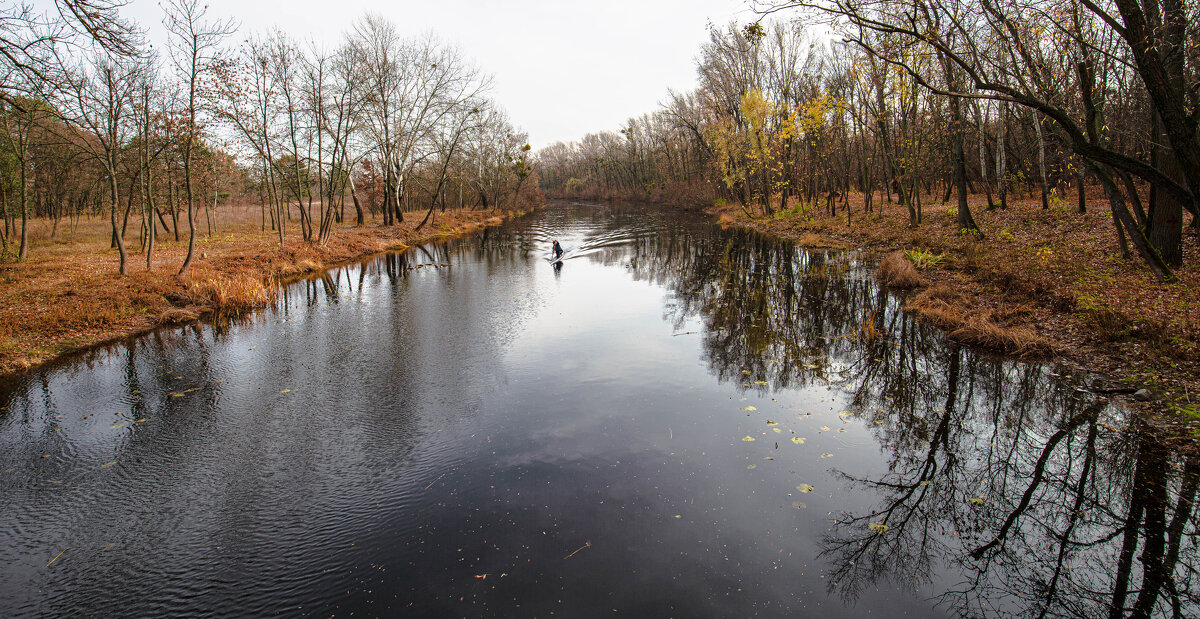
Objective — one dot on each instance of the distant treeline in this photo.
(919, 101)
(94, 122)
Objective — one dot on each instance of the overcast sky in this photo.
(562, 68)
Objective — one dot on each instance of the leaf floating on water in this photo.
(768, 458)
(746, 372)
(678, 516)
(799, 440)
(878, 527)
(772, 423)
(925, 483)
(117, 426)
(777, 430)
(842, 430)
(751, 467)
(749, 408)
(107, 464)
(826, 455)
(879, 422)
(285, 391)
(805, 488)
(761, 382)
(175, 395)
(748, 439)
(141, 420)
(975, 500)
(105, 547)
(824, 428)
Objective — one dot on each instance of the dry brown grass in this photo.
(897, 271)
(178, 315)
(67, 294)
(1000, 330)
(978, 329)
(940, 305)
(235, 292)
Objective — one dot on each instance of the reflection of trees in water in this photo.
(1030, 499)
(1000, 472)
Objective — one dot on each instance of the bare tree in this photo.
(196, 53)
(99, 100)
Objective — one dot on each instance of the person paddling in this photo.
(558, 251)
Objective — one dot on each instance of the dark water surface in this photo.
(679, 421)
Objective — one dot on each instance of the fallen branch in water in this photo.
(588, 544)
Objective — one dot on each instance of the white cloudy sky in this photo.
(562, 68)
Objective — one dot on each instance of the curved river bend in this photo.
(677, 421)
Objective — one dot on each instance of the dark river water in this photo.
(677, 421)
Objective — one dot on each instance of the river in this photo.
(677, 420)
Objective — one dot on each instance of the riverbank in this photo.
(1054, 276)
(67, 296)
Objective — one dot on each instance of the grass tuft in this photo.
(897, 271)
(979, 330)
(236, 292)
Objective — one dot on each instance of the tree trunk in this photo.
(965, 220)
(114, 207)
(187, 182)
(1164, 225)
(1002, 157)
(358, 210)
(1121, 215)
(1037, 125)
(1082, 193)
(23, 251)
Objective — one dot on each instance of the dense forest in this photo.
(94, 122)
(842, 106)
